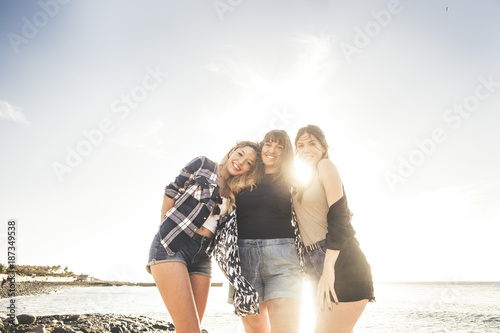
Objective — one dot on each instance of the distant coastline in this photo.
(31, 286)
(28, 288)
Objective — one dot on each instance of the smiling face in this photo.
(241, 160)
(270, 154)
(309, 149)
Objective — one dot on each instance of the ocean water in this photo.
(400, 307)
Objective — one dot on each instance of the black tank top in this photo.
(265, 212)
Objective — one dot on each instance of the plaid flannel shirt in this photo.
(194, 191)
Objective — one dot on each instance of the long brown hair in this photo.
(285, 171)
(318, 133)
(235, 184)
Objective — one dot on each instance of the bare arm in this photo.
(168, 203)
(330, 179)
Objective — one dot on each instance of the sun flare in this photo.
(302, 172)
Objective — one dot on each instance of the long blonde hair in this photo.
(235, 184)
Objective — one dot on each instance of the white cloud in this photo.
(10, 112)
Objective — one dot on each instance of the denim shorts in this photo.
(192, 254)
(272, 267)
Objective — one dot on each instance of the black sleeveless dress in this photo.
(353, 277)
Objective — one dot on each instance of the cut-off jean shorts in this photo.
(272, 267)
(192, 254)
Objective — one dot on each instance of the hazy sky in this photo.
(103, 102)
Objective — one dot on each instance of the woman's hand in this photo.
(325, 288)
(326, 285)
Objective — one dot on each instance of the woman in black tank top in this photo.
(268, 239)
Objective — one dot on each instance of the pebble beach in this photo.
(83, 323)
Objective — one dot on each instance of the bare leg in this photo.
(201, 287)
(258, 324)
(341, 319)
(174, 284)
(284, 315)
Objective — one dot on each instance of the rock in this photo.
(92, 323)
(116, 329)
(10, 321)
(163, 327)
(63, 330)
(73, 317)
(38, 329)
(27, 319)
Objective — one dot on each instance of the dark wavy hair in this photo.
(317, 132)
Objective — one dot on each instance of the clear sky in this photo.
(103, 102)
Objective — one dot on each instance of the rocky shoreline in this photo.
(33, 288)
(73, 323)
(84, 323)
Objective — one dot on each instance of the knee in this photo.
(256, 320)
(256, 324)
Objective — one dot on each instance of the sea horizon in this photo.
(25, 278)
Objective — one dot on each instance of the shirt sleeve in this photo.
(175, 189)
(340, 229)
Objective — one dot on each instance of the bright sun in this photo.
(302, 171)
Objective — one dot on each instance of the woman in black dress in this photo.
(333, 258)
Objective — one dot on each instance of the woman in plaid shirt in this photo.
(179, 257)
